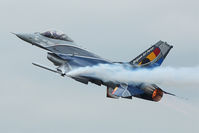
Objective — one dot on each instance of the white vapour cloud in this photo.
(170, 76)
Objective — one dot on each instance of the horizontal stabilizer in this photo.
(121, 92)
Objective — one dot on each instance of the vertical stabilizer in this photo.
(154, 56)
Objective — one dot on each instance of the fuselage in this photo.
(67, 56)
(72, 54)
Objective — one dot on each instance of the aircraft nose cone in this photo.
(24, 36)
(21, 36)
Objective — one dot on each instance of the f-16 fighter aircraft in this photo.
(67, 56)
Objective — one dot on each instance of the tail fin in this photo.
(154, 56)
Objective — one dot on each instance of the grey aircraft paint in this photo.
(67, 55)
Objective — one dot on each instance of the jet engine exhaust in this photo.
(151, 92)
(157, 95)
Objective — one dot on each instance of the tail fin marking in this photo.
(153, 56)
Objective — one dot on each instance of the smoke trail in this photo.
(170, 76)
(185, 107)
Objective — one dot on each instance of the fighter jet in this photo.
(66, 55)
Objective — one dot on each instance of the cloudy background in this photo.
(37, 101)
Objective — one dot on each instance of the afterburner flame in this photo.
(157, 95)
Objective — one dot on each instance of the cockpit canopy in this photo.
(56, 35)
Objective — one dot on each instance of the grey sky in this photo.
(36, 101)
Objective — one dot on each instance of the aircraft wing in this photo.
(66, 49)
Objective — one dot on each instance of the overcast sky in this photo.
(37, 101)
